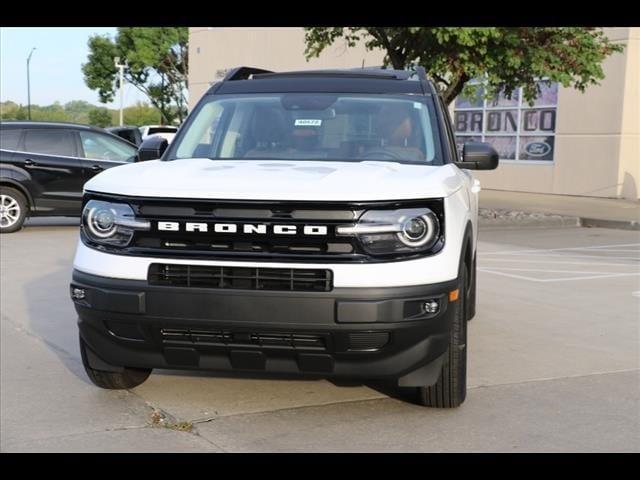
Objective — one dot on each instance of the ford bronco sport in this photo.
(317, 223)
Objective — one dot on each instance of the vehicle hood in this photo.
(278, 180)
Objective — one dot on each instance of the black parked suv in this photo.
(43, 167)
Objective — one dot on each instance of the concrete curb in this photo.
(500, 218)
(618, 224)
(488, 218)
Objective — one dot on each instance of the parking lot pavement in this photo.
(554, 365)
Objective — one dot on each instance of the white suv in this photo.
(315, 223)
(167, 132)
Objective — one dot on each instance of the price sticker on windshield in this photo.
(308, 122)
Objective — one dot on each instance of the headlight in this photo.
(110, 223)
(383, 232)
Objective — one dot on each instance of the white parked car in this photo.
(300, 223)
(164, 131)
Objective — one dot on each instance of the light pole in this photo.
(121, 68)
(29, 84)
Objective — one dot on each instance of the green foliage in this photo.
(80, 111)
(156, 64)
(100, 117)
(506, 57)
(141, 114)
(12, 111)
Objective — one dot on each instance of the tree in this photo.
(507, 58)
(49, 113)
(78, 110)
(100, 117)
(141, 114)
(156, 64)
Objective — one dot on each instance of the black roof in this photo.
(30, 123)
(356, 80)
(119, 128)
(75, 126)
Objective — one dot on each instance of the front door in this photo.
(100, 151)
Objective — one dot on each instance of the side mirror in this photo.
(152, 148)
(478, 156)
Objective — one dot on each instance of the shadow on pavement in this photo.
(52, 222)
(52, 317)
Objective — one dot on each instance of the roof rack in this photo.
(367, 78)
(422, 74)
(243, 73)
(352, 72)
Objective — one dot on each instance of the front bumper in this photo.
(347, 332)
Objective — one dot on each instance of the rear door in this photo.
(100, 151)
(9, 140)
(50, 155)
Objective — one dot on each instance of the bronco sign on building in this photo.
(517, 130)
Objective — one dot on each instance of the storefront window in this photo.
(516, 130)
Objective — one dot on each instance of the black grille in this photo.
(283, 340)
(254, 246)
(284, 279)
(237, 244)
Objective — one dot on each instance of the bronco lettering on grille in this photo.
(248, 228)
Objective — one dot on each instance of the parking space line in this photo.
(560, 255)
(562, 271)
(563, 279)
(545, 250)
(556, 262)
(610, 250)
(619, 245)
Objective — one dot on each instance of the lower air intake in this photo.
(367, 341)
(205, 337)
(282, 279)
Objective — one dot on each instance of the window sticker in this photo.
(308, 122)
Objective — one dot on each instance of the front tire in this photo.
(125, 379)
(451, 388)
(13, 210)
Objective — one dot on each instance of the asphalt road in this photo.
(554, 365)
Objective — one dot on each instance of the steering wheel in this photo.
(381, 154)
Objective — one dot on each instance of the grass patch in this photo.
(158, 419)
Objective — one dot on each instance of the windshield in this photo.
(313, 127)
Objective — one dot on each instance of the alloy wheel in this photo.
(9, 211)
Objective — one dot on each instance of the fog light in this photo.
(430, 306)
(78, 293)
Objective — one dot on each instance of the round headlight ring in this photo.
(415, 228)
(102, 222)
(426, 227)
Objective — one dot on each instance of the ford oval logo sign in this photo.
(537, 149)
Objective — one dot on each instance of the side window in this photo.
(10, 138)
(199, 137)
(50, 142)
(102, 147)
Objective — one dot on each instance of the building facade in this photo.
(567, 142)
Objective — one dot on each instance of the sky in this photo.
(55, 65)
